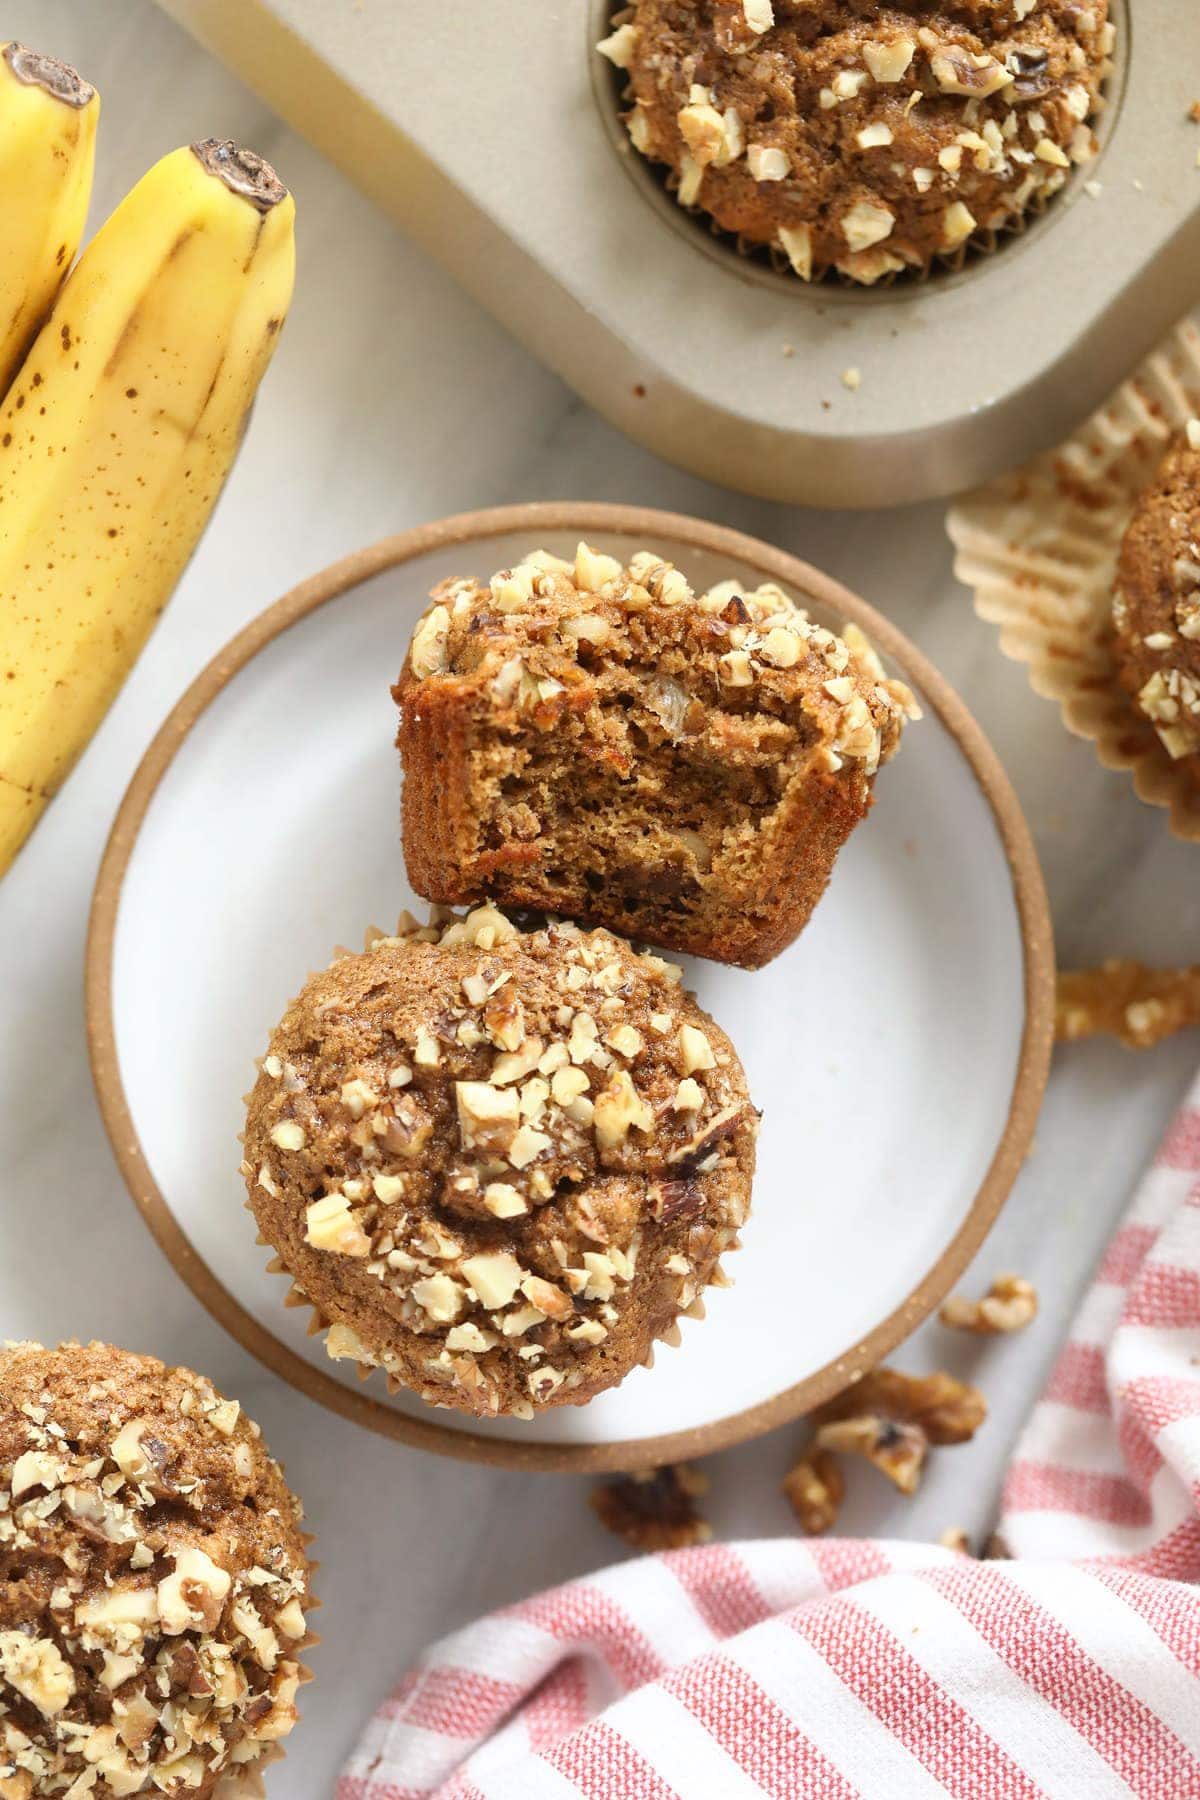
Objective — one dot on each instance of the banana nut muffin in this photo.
(861, 137)
(1156, 606)
(499, 1164)
(153, 1581)
(599, 741)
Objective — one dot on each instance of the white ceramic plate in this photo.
(898, 1049)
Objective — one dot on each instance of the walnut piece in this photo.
(1136, 1004)
(955, 1538)
(1010, 1304)
(655, 1510)
(898, 1450)
(947, 1411)
(814, 1489)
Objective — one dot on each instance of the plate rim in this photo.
(1030, 900)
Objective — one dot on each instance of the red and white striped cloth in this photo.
(829, 1669)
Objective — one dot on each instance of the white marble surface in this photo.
(393, 400)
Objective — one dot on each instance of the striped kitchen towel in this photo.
(829, 1669)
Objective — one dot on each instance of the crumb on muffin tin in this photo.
(499, 1164)
(866, 144)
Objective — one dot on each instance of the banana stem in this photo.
(59, 79)
(242, 171)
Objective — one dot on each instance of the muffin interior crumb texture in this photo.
(1156, 606)
(499, 1164)
(153, 1581)
(867, 139)
(598, 740)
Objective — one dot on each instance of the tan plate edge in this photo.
(1028, 891)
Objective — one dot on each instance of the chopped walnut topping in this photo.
(1009, 1305)
(655, 1510)
(429, 643)
(191, 1597)
(330, 1225)
(815, 1488)
(289, 1134)
(867, 222)
(37, 1670)
(889, 61)
(960, 71)
(619, 47)
(495, 1278)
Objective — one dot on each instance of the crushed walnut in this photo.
(891, 1420)
(655, 1510)
(1010, 1304)
(1127, 1000)
(815, 1488)
(897, 1449)
(149, 1619)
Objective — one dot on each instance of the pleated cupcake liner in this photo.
(1039, 549)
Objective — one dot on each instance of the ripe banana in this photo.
(47, 152)
(115, 441)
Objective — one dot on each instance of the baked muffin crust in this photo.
(600, 741)
(864, 138)
(153, 1580)
(1156, 605)
(499, 1164)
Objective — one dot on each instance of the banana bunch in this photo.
(47, 153)
(115, 440)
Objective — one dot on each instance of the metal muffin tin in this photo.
(490, 132)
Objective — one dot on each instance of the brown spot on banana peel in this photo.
(58, 79)
(23, 787)
(243, 172)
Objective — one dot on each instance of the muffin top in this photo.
(861, 137)
(739, 650)
(1156, 606)
(500, 1163)
(153, 1581)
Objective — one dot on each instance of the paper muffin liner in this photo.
(1039, 549)
(972, 251)
(318, 1325)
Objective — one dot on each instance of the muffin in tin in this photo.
(499, 1164)
(153, 1581)
(1156, 605)
(869, 140)
(599, 740)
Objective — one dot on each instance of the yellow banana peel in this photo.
(115, 441)
(48, 117)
